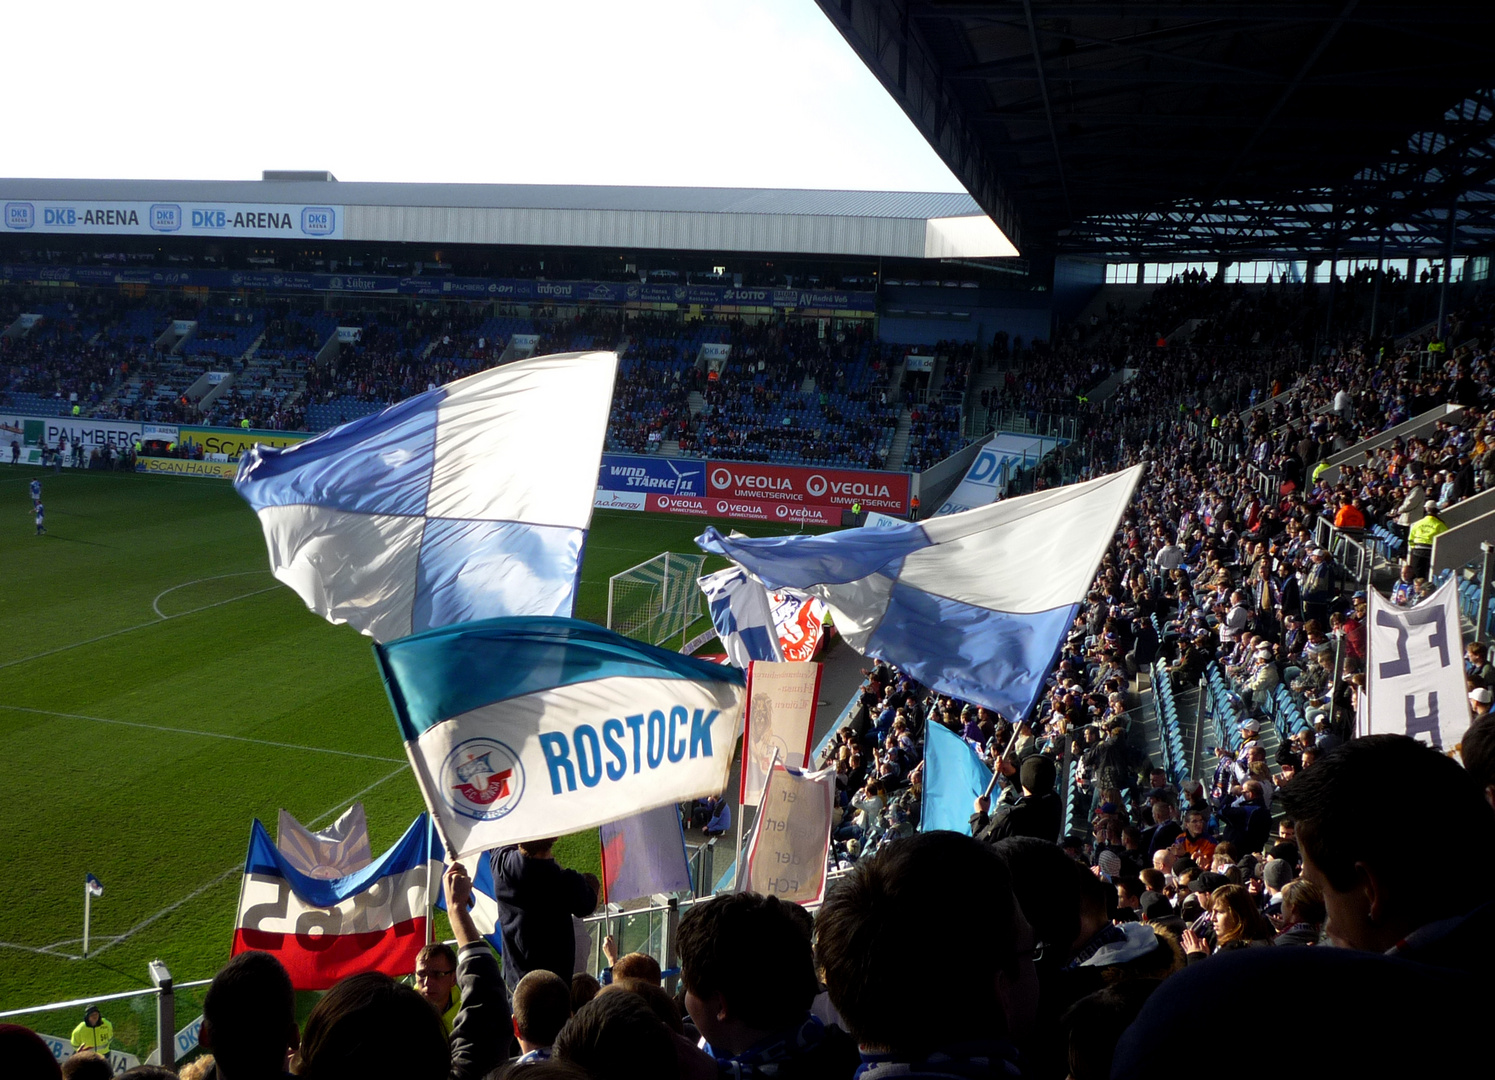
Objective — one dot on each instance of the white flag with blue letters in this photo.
(525, 728)
(974, 604)
(470, 501)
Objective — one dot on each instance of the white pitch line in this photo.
(156, 603)
(141, 626)
(200, 734)
(237, 868)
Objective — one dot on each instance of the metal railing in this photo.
(144, 1021)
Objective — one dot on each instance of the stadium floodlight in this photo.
(658, 600)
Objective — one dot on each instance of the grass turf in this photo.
(158, 690)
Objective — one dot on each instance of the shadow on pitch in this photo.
(76, 540)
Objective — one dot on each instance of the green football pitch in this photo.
(158, 690)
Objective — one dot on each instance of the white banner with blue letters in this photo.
(1414, 676)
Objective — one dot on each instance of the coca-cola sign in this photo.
(884, 491)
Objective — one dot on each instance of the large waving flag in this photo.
(525, 728)
(336, 851)
(953, 777)
(470, 501)
(974, 604)
(322, 930)
(742, 615)
(644, 854)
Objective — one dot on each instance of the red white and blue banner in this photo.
(324, 930)
(525, 728)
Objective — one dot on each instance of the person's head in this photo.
(538, 849)
(637, 965)
(1237, 918)
(249, 1017)
(584, 988)
(542, 1005)
(87, 1065)
(665, 1009)
(1164, 806)
(970, 984)
(1302, 902)
(747, 967)
(1093, 1025)
(436, 974)
(1374, 894)
(25, 1055)
(1477, 751)
(348, 1034)
(1037, 774)
(1195, 822)
(617, 1037)
(92, 1017)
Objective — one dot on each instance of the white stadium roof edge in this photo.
(909, 225)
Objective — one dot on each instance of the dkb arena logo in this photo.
(482, 779)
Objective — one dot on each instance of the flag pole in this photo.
(87, 913)
(430, 897)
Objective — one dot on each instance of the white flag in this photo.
(780, 719)
(1415, 670)
(742, 616)
(792, 837)
(336, 851)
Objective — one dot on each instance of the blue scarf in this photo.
(986, 1059)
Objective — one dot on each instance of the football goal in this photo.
(658, 601)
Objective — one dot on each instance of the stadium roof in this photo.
(1131, 130)
(717, 220)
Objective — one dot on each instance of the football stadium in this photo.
(1103, 553)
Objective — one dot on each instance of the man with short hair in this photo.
(1376, 897)
(436, 980)
(249, 1018)
(749, 975)
(536, 899)
(1036, 813)
(973, 993)
(1165, 825)
(542, 1005)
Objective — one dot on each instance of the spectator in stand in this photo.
(536, 899)
(87, 1065)
(26, 1056)
(436, 980)
(542, 1005)
(1036, 813)
(1302, 918)
(249, 1019)
(976, 991)
(1477, 751)
(1377, 899)
(749, 976)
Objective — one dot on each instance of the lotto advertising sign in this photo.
(793, 484)
(746, 510)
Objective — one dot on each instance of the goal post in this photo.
(658, 601)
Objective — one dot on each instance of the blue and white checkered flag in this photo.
(742, 616)
(470, 501)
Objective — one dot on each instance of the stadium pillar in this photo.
(1482, 614)
(1453, 222)
(165, 1015)
(1375, 296)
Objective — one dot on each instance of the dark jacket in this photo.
(1032, 815)
(1298, 934)
(536, 899)
(480, 1034)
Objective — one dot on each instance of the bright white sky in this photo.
(700, 93)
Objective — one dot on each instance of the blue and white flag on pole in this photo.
(471, 501)
(953, 776)
(975, 605)
(94, 886)
(519, 729)
(484, 909)
(742, 616)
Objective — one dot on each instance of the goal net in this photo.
(658, 601)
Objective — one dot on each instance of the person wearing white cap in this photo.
(1479, 702)
(1264, 679)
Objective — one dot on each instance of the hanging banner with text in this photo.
(792, 837)
(780, 719)
(746, 509)
(1415, 670)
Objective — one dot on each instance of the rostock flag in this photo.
(644, 854)
(470, 501)
(320, 931)
(336, 851)
(953, 777)
(525, 728)
(974, 605)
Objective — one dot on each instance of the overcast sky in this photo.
(754, 93)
